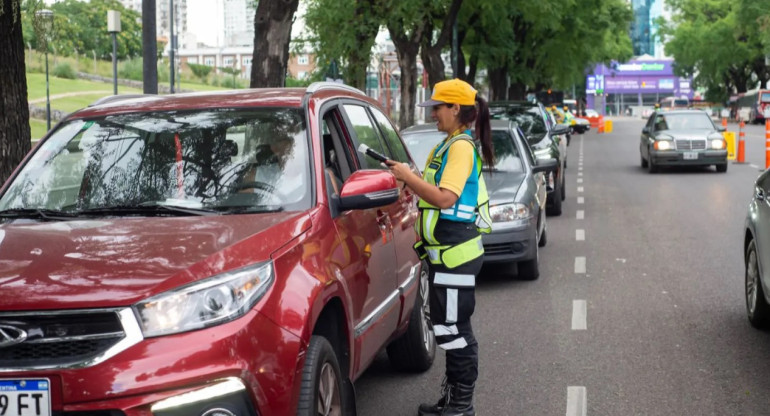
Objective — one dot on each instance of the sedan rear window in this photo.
(225, 160)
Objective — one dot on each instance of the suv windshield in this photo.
(530, 119)
(507, 158)
(220, 160)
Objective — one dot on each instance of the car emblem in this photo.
(11, 335)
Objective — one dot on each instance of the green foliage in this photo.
(722, 43)
(200, 71)
(64, 70)
(82, 27)
(131, 69)
(230, 82)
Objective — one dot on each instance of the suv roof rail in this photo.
(116, 98)
(317, 86)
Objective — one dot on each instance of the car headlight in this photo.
(215, 300)
(509, 212)
(664, 145)
(718, 144)
(544, 153)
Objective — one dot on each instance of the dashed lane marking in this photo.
(576, 401)
(581, 200)
(580, 235)
(579, 315)
(581, 214)
(580, 265)
(580, 189)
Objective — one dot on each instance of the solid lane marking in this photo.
(580, 235)
(580, 265)
(579, 315)
(576, 401)
(581, 214)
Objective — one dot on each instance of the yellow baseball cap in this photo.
(453, 91)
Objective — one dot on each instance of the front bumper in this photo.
(248, 367)
(677, 158)
(517, 244)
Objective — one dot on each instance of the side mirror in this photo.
(545, 165)
(646, 130)
(721, 129)
(368, 188)
(560, 129)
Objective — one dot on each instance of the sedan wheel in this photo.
(644, 161)
(651, 166)
(756, 306)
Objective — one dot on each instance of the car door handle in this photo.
(759, 194)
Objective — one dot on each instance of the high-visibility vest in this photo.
(462, 211)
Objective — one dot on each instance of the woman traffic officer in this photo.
(454, 211)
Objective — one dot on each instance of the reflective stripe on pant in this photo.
(452, 302)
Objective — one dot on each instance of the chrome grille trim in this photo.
(132, 335)
(685, 144)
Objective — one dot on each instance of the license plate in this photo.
(690, 155)
(25, 397)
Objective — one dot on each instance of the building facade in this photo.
(634, 86)
(644, 27)
(239, 22)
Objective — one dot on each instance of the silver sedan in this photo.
(682, 138)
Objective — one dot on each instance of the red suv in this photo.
(214, 254)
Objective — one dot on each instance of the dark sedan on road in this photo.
(517, 193)
(682, 138)
(546, 138)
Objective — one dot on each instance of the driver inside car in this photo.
(269, 173)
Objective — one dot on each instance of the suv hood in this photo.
(118, 262)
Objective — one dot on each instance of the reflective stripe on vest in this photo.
(462, 211)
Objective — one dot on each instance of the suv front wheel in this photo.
(321, 390)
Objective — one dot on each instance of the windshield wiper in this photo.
(147, 209)
(37, 213)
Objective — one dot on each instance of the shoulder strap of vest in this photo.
(445, 146)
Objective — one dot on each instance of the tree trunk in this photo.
(272, 32)
(407, 61)
(431, 53)
(14, 108)
(366, 32)
(517, 91)
(498, 84)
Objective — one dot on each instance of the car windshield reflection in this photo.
(222, 160)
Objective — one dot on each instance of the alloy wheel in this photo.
(752, 280)
(427, 327)
(329, 397)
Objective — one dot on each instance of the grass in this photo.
(38, 129)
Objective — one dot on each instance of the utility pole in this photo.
(149, 48)
(171, 45)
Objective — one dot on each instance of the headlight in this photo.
(664, 145)
(213, 301)
(543, 153)
(718, 144)
(509, 212)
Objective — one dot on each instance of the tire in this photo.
(530, 269)
(722, 168)
(757, 308)
(321, 391)
(651, 166)
(415, 350)
(555, 208)
(644, 161)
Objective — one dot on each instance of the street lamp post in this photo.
(172, 44)
(113, 26)
(46, 20)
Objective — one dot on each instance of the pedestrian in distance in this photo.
(454, 211)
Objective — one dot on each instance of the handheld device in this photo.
(372, 153)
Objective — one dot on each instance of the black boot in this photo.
(456, 401)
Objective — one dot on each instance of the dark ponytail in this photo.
(480, 114)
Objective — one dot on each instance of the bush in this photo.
(64, 70)
(229, 82)
(131, 69)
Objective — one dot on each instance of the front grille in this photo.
(690, 145)
(504, 248)
(59, 339)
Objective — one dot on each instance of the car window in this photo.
(507, 157)
(365, 133)
(660, 123)
(527, 150)
(225, 159)
(398, 151)
(528, 118)
(421, 143)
